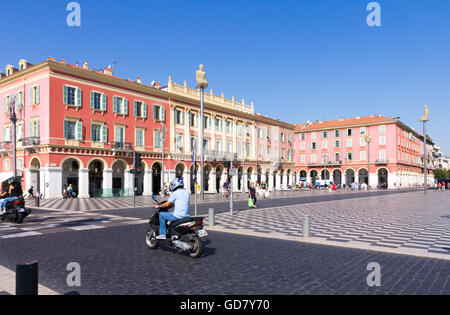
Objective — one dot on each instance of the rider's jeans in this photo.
(163, 217)
(4, 201)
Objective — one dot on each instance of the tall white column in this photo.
(278, 181)
(128, 183)
(83, 183)
(212, 182)
(148, 184)
(234, 183)
(187, 180)
(28, 183)
(51, 182)
(107, 182)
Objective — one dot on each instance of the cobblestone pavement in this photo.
(117, 261)
(48, 222)
(409, 223)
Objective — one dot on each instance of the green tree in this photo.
(440, 173)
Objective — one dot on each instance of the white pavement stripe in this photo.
(24, 234)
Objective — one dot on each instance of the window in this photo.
(302, 158)
(324, 144)
(73, 130)
(276, 136)
(33, 128)
(349, 143)
(337, 143)
(96, 133)
(362, 131)
(349, 132)
(179, 142)
(268, 134)
(7, 134)
(178, 117)
(20, 164)
(283, 154)
(259, 133)
(207, 122)
(337, 157)
(324, 134)
(325, 158)
(362, 155)
(382, 140)
(282, 137)
(140, 142)
(289, 138)
(229, 126)
(362, 142)
(193, 144)
(382, 129)
(97, 101)
(313, 136)
(313, 145)
(229, 147)
(140, 109)
(218, 124)
(337, 133)
(313, 158)
(72, 96)
(247, 150)
(120, 105)
(349, 156)
(302, 146)
(218, 145)
(157, 139)
(193, 120)
(269, 152)
(159, 113)
(206, 146)
(119, 135)
(382, 155)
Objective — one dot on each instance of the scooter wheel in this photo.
(150, 239)
(197, 247)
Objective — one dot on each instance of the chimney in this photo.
(139, 80)
(107, 71)
(85, 65)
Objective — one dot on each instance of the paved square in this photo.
(410, 223)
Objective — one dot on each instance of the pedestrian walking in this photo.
(252, 194)
(30, 192)
(69, 191)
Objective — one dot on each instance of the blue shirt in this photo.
(181, 199)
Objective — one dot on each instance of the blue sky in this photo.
(297, 60)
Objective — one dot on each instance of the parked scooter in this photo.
(15, 211)
(186, 235)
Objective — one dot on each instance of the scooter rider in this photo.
(181, 199)
(14, 191)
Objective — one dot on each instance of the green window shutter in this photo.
(79, 130)
(92, 131)
(157, 139)
(79, 101)
(66, 130)
(144, 111)
(155, 108)
(104, 134)
(38, 95)
(30, 129)
(103, 100)
(31, 96)
(182, 118)
(37, 132)
(65, 94)
(125, 103)
(135, 109)
(114, 104)
(4, 104)
(92, 99)
(163, 114)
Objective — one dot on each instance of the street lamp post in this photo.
(368, 140)
(424, 119)
(13, 118)
(202, 84)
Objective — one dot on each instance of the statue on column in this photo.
(425, 116)
(201, 78)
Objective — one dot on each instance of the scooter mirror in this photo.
(154, 198)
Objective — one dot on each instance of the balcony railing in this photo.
(325, 164)
(122, 146)
(382, 162)
(31, 142)
(5, 145)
